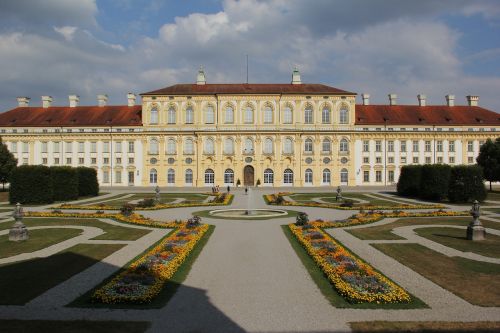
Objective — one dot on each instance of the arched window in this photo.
(171, 146)
(326, 145)
(171, 115)
(268, 115)
(308, 115)
(248, 118)
(189, 177)
(344, 146)
(287, 115)
(228, 177)
(308, 176)
(308, 145)
(327, 176)
(344, 175)
(154, 116)
(209, 176)
(268, 176)
(288, 176)
(268, 146)
(248, 146)
(288, 146)
(344, 115)
(188, 146)
(153, 146)
(171, 176)
(209, 146)
(189, 115)
(209, 115)
(326, 115)
(228, 146)
(153, 176)
(229, 115)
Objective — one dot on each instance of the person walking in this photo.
(228, 189)
(246, 190)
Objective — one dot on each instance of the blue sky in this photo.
(87, 47)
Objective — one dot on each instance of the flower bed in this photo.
(278, 199)
(144, 278)
(221, 199)
(354, 279)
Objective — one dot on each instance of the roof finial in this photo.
(296, 76)
(200, 79)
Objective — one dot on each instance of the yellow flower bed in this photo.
(226, 200)
(271, 199)
(144, 278)
(354, 279)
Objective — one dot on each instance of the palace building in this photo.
(294, 134)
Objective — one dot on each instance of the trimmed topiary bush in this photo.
(87, 182)
(466, 184)
(434, 182)
(409, 180)
(64, 183)
(31, 184)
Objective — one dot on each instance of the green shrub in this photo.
(434, 182)
(127, 209)
(31, 184)
(466, 184)
(87, 182)
(64, 183)
(146, 203)
(409, 181)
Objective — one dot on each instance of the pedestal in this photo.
(476, 232)
(18, 232)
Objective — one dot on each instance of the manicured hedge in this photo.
(87, 182)
(31, 184)
(65, 183)
(437, 182)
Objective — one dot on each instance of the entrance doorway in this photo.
(248, 175)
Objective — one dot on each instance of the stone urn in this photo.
(18, 232)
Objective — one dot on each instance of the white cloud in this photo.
(67, 32)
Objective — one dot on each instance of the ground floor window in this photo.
(105, 176)
(268, 176)
(228, 176)
(366, 176)
(378, 176)
(118, 177)
(153, 176)
(327, 176)
(308, 176)
(344, 175)
(209, 176)
(189, 176)
(288, 176)
(171, 176)
(391, 176)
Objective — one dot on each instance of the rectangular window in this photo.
(93, 160)
(451, 146)
(391, 176)
(118, 160)
(390, 159)
(415, 146)
(81, 160)
(45, 147)
(452, 159)
(44, 160)
(440, 159)
(118, 147)
(378, 176)
(470, 146)
(366, 145)
(69, 147)
(415, 160)
(366, 176)
(105, 176)
(105, 147)
(106, 160)
(427, 146)
(378, 146)
(57, 147)
(93, 147)
(427, 160)
(68, 160)
(390, 146)
(439, 146)
(470, 160)
(403, 146)
(130, 160)
(81, 147)
(118, 177)
(26, 147)
(131, 146)
(403, 159)
(378, 159)
(366, 160)
(56, 160)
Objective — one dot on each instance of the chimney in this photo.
(23, 101)
(102, 100)
(472, 100)
(366, 99)
(131, 99)
(450, 100)
(296, 76)
(392, 99)
(200, 79)
(421, 99)
(46, 101)
(73, 100)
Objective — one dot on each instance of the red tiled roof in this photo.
(113, 115)
(425, 115)
(245, 88)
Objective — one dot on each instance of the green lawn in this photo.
(384, 231)
(355, 196)
(425, 326)
(20, 282)
(456, 238)
(450, 272)
(38, 239)
(165, 198)
(493, 210)
(112, 232)
(73, 326)
(329, 291)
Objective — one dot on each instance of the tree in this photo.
(434, 182)
(489, 160)
(466, 184)
(7, 164)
